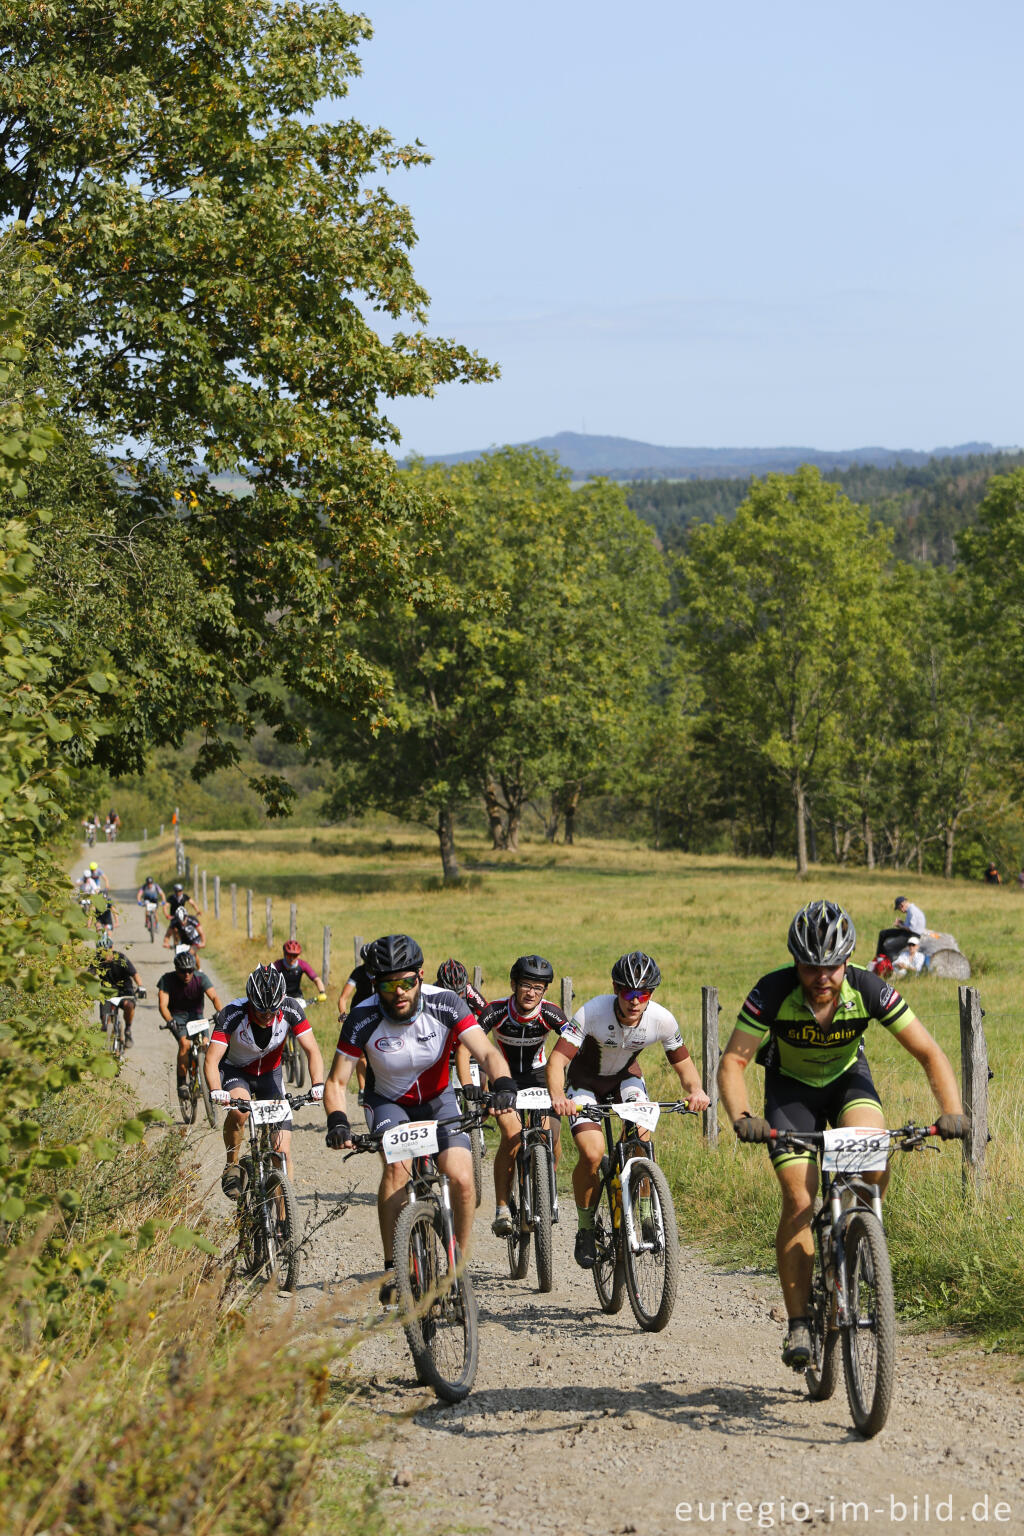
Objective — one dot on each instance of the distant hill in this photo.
(622, 458)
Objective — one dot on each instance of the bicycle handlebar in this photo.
(907, 1137)
(293, 1100)
(370, 1141)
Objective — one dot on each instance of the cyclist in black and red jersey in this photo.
(293, 968)
(521, 1024)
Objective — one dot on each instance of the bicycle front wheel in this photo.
(476, 1142)
(116, 1033)
(651, 1250)
(869, 1339)
(822, 1374)
(204, 1089)
(540, 1196)
(608, 1269)
(519, 1239)
(437, 1304)
(272, 1247)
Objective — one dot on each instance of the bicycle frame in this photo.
(534, 1129)
(621, 1152)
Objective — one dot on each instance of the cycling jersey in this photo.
(118, 972)
(607, 1050)
(521, 1037)
(362, 980)
(475, 1001)
(293, 974)
(185, 994)
(794, 1043)
(186, 928)
(149, 893)
(407, 1062)
(251, 1049)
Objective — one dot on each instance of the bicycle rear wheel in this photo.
(652, 1267)
(298, 1066)
(476, 1142)
(117, 1033)
(869, 1339)
(540, 1198)
(437, 1304)
(519, 1239)
(609, 1277)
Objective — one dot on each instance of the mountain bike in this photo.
(435, 1294)
(90, 833)
(293, 1057)
(151, 920)
(267, 1216)
(533, 1200)
(198, 1031)
(477, 1144)
(112, 1019)
(851, 1289)
(636, 1238)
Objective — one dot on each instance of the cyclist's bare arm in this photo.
(334, 1089)
(214, 999)
(488, 1055)
(916, 1039)
(345, 997)
(555, 1070)
(211, 1063)
(316, 1061)
(685, 1069)
(736, 1058)
(462, 1060)
(162, 1003)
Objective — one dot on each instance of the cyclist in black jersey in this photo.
(356, 990)
(805, 1025)
(521, 1024)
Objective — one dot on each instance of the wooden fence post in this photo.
(188, 869)
(234, 905)
(357, 945)
(161, 829)
(216, 895)
(205, 895)
(478, 978)
(325, 974)
(567, 996)
(145, 834)
(248, 914)
(709, 1011)
(270, 922)
(293, 921)
(974, 1081)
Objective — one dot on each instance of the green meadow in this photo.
(709, 921)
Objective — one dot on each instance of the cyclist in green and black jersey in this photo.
(805, 1025)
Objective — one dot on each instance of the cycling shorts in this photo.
(263, 1085)
(790, 1105)
(621, 1090)
(384, 1114)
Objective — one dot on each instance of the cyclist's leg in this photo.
(589, 1139)
(455, 1160)
(238, 1086)
(795, 1106)
(128, 1009)
(857, 1103)
(510, 1127)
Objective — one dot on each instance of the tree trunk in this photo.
(495, 818)
(446, 840)
(844, 852)
(570, 803)
(869, 842)
(800, 809)
(554, 819)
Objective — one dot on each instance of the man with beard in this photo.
(406, 1030)
(805, 1025)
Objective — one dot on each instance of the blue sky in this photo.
(730, 223)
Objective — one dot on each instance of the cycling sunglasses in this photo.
(634, 995)
(399, 984)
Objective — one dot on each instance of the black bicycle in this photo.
(635, 1233)
(533, 1199)
(151, 919)
(435, 1294)
(198, 1032)
(293, 1057)
(112, 1019)
(851, 1290)
(267, 1217)
(477, 1143)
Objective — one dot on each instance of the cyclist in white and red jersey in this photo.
(595, 1061)
(406, 1032)
(248, 1039)
(521, 1023)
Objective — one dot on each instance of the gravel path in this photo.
(579, 1423)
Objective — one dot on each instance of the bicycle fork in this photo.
(843, 1203)
(633, 1233)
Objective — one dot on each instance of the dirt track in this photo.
(579, 1423)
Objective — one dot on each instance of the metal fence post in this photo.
(216, 895)
(974, 1078)
(709, 1011)
(234, 905)
(325, 974)
(293, 921)
(270, 922)
(248, 914)
(567, 996)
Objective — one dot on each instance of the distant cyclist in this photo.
(595, 1062)
(105, 915)
(112, 825)
(150, 890)
(452, 974)
(180, 996)
(93, 879)
(521, 1023)
(118, 973)
(356, 990)
(293, 968)
(243, 1060)
(805, 1024)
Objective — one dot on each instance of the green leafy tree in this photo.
(780, 604)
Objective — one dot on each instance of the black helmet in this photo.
(454, 976)
(821, 934)
(394, 952)
(265, 989)
(532, 968)
(177, 886)
(185, 962)
(636, 972)
(364, 950)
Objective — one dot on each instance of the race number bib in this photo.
(533, 1098)
(640, 1112)
(854, 1149)
(268, 1111)
(196, 1027)
(417, 1139)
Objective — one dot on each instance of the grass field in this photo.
(709, 921)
